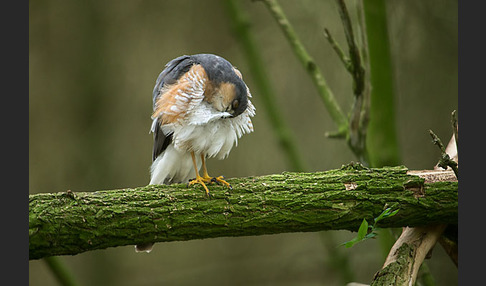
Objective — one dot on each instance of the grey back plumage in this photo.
(172, 72)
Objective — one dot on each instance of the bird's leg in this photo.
(219, 180)
(199, 179)
(205, 178)
(205, 171)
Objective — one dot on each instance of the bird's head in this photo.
(231, 97)
(240, 99)
(226, 90)
(228, 97)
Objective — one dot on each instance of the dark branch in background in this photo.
(69, 223)
(354, 129)
(335, 45)
(266, 93)
(356, 68)
(358, 122)
(310, 66)
(450, 246)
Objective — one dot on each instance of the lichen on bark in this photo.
(69, 223)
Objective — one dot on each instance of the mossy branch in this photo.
(68, 223)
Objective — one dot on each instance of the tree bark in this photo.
(407, 254)
(68, 223)
(402, 264)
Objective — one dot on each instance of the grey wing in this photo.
(172, 72)
(161, 140)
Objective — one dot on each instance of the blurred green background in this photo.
(92, 68)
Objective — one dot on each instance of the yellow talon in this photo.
(220, 180)
(200, 180)
(205, 178)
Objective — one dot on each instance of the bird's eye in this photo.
(235, 104)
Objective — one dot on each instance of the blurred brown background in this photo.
(92, 68)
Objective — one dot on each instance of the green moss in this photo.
(70, 223)
(397, 272)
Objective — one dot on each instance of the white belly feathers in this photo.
(214, 138)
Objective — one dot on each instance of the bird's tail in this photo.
(146, 247)
(171, 166)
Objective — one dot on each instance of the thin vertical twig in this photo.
(357, 122)
(266, 93)
(310, 66)
(359, 116)
(445, 159)
(365, 66)
(345, 60)
(354, 53)
(355, 129)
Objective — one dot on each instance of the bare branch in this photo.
(455, 128)
(445, 159)
(309, 65)
(346, 61)
(407, 254)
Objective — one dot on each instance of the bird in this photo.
(201, 107)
